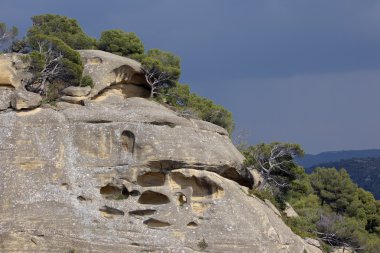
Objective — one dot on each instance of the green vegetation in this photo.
(121, 43)
(162, 70)
(86, 81)
(63, 28)
(330, 206)
(276, 164)
(51, 44)
(52, 60)
(363, 171)
(192, 105)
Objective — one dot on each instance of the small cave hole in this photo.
(142, 212)
(182, 200)
(153, 198)
(192, 224)
(109, 211)
(151, 179)
(153, 223)
(203, 187)
(114, 192)
(82, 198)
(128, 141)
(65, 186)
(109, 190)
(134, 193)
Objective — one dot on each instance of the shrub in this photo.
(121, 43)
(52, 60)
(87, 81)
(63, 28)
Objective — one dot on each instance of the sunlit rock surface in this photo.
(119, 173)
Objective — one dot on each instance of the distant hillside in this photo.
(334, 156)
(363, 171)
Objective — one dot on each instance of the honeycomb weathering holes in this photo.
(151, 179)
(202, 186)
(153, 198)
(113, 192)
(153, 223)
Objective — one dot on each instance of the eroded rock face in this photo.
(13, 70)
(114, 77)
(128, 176)
(22, 99)
(110, 71)
(106, 170)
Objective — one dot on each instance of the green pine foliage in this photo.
(192, 105)
(70, 61)
(121, 43)
(64, 36)
(86, 81)
(164, 61)
(157, 62)
(61, 27)
(331, 207)
(363, 171)
(337, 207)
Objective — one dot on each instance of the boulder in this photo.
(75, 91)
(22, 99)
(108, 70)
(13, 70)
(72, 100)
(128, 176)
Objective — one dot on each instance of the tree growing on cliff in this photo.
(7, 35)
(63, 28)
(51, 59)
(192, 105)
(121, 43)
(275, 162)
(162, 70)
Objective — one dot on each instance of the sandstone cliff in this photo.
(107, 170)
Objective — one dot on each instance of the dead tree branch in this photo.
(52, 68)
(157, 80)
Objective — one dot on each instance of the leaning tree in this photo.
(275, 162)
(162, 70)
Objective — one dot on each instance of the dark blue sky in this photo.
(297, 71)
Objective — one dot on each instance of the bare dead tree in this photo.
(157, 80)
(52, 68)
(6, 35)
(277, 160)
(332, 235)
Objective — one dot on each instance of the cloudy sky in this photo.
(297, 71)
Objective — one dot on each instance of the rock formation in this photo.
(120, 173)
